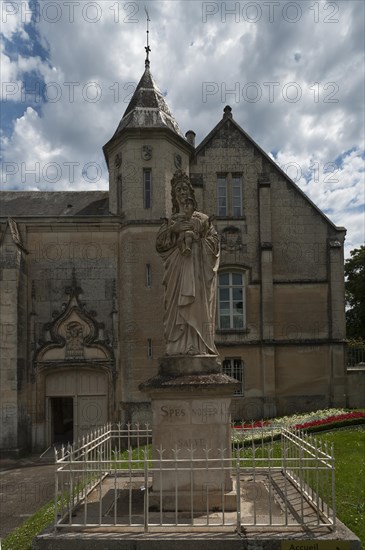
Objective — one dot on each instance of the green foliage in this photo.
(123, 460)
(21, 538)
(356, 343)
(355, 294)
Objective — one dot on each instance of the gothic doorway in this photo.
(77, 402)
(62, 419)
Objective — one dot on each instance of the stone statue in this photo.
(189, 247)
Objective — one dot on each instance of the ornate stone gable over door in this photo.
(74, 371)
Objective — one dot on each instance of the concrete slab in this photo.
(251, 539)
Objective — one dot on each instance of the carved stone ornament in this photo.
(177, 161)
(118, 160)
(74, 335)
(231, 238)
(15, 234)
(146, 152)
(74, 340)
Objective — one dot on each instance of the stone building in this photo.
(81, 283)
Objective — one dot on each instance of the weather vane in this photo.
(147, 48)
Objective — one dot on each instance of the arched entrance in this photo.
(75, 375)
(76, 402)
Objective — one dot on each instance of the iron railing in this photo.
(280, 477)
(355, 356)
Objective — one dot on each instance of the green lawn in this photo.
(349, 448)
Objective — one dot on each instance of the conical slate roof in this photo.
(147, 108)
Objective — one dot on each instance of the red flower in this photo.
(310, 424)
(330, 419)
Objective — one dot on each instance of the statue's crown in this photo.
(180, 176)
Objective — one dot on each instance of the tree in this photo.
(355, 293)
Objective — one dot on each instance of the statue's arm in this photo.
(166, 239)
(211, 240)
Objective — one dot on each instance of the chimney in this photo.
(227, 112)
(190, 136)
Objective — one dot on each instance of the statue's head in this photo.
(181, 189)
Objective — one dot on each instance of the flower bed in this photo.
(331, 419)
(311, 422)
(305, 420)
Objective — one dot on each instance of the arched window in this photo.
(231, 301)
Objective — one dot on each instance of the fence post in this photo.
(146, 490)
(238, 487)
(56, 501)
(333, 486)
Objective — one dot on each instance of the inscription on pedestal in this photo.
(196, 412)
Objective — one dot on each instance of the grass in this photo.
(21, 538)
(349, 449)
(349, 452)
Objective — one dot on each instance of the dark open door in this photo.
(62, 419)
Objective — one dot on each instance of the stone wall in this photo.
(14, 434)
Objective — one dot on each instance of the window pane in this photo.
(231, 301)
(237, 307)
(237, 322)
(224, 279)
(224, 294)
(237, 279)
(237, 294)
(234, 368)
(236, 196)
(224, 308)
(224, 321)
(227, 369)
(222, 195)
(147, 188)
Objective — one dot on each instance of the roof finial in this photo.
(147, 48)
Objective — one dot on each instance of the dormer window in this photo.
(229, 195)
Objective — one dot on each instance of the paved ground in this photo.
(25, 485)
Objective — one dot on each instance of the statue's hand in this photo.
(179, 227)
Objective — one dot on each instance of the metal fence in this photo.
(280, 477)
(355, 356)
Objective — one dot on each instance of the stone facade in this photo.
(81, 283)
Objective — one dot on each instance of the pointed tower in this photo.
(143, 154)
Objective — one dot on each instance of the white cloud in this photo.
(86, 60)
(13, 16)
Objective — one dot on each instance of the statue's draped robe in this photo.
(190, 290)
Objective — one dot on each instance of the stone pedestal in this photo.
(190, 401)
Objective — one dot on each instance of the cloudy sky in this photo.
(293, 73)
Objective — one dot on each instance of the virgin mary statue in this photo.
(189, 247)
